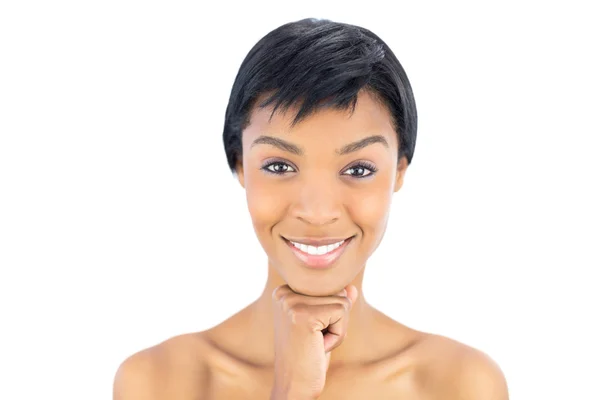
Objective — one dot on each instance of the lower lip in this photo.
(319, 261)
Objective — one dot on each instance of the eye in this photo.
(278, 168)
(361, 169)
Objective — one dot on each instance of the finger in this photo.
(332, 321)
(280, 291)
(291, 299)
(333, 338)
(342, 292)
(285, 296)
(352, 293)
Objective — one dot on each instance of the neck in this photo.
(360, 324)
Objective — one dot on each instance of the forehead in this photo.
(370, 117)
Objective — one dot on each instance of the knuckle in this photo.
(297, 312)
(278, 292)
(284, 299)
(342, 307)
(316, 324)
(348, 304)
(290, 299)
(275, 294)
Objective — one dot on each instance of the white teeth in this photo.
(317, 250)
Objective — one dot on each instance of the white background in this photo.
(121, 225)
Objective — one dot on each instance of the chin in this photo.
(310, 285)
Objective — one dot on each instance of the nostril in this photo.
(317, 221)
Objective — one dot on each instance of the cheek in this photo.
(369, 210)
(265, 203)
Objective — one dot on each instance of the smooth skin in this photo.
(312, 334)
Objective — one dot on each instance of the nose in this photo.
(317, 201)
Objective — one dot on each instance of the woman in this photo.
(320, 129)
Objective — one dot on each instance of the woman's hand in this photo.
(307, 329)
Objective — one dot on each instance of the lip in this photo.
(317, 241)
(316, 261)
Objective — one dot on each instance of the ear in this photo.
(401, 170)
(239, 172)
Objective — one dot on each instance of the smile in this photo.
(318, 256)
(317, 250)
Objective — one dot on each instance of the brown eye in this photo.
(361, 170)
(358, 171)
(278, 168)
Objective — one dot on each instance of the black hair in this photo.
(319, 63)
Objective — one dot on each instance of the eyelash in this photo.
(360, 164)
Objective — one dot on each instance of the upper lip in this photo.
(317, 241)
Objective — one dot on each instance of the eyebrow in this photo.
(294, 149)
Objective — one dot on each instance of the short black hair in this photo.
(319, 63)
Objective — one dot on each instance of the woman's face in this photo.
(320, 181)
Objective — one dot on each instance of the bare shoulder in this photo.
(458, 371)
(168, 370)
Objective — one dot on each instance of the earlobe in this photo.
(399, 181)
(239, 171)
(401, 170)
